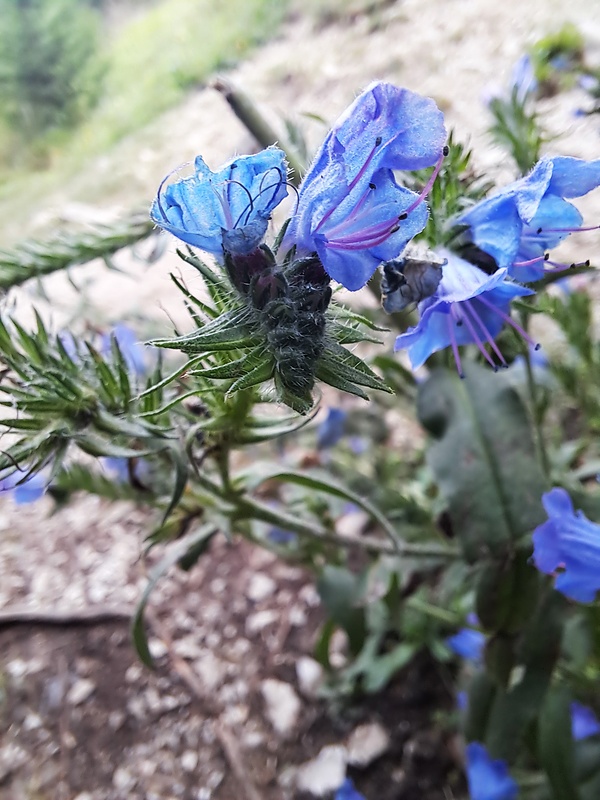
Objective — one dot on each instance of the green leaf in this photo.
(341, 593)
(178, 552)
(555, 744)
(321, 483)
(383, 668)
(484, 458)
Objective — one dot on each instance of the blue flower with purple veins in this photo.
(224, 210)
(24, 491)
(467, 643)
(351, 211)
(488, 779)
(469, 307)
(584, 722)
(520, 223)
(347, 791)
(570, 543)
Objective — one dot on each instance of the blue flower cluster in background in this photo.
(488, 778)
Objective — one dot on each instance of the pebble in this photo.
(323, 774)
(80, 691)
(310, 675)
(260, 587)
(366, 744)
(282, 705)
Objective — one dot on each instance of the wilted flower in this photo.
(584, 722)
(488, 779)
(570, 543)
(469, 307)
(521, 222)
(467, 643)
(225, 210)
(351, 211)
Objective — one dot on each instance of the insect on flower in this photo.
(411, 278)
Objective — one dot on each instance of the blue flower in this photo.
(332, 429)
(469, 307)
(225, 210)
(467, 643)
(584, 722)
(347, 791)
(129, 345)
(24, 491)
(570, 542)
(351, 211)
(488, 779)
(521, 222)
(522, 79)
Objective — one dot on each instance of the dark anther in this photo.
(403, 216)
(372, 186)
(538, 346)
(546, 256)
(378, 141)
(539, 230)
(586, 263)
(446, 150)
(459, 323)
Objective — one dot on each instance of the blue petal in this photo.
(347, 791)
(546, 547)
(583, 722)
(332, 429)
(488, 779)
(240, 196)
(467, 643)
(557, 503)
(574, 177)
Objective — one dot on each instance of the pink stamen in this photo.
(510, 321)
(429, 184)
(477, 340)
(486, 333)
(454, 345)
(370, 237)
(568, 230)
(531, 261)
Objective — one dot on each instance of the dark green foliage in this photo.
(483, 460)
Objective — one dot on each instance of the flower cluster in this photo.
(504, 243)
(351, 213)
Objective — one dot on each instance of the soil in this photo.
(229, 713)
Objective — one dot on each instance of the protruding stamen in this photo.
(430, 182)
(454, 346)
(568, 230)
(486, 333)
(477, 339)
(531, 261)
(510, 321)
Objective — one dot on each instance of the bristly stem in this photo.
(535, 406)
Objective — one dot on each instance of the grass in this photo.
(152, 62)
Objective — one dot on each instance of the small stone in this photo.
(189, 761)
(282, 705)
(257, 622)
(367, 743)
(157, 648)
(325, 773)
(310, 676)
(260, 587)
(123, 780)
(80, 691)
(116, 720)
(134, 673)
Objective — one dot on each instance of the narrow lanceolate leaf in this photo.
(338, 361)
(175, 554)
(226, 332)
(484, 458)
(555, 744)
